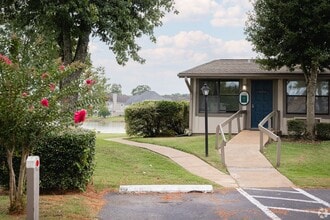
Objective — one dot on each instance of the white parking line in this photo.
(263, 208)
(322, 212)
(313, 197)
(295, 210)
(286, 199)
(273, 190)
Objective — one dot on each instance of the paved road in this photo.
(248, 203)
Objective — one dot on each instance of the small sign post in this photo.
(32, 174)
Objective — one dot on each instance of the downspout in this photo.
(191, 104)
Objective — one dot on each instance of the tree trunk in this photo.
(79, 56)
(12, 179)
(66, 44)
(82, 46)
(22, 176)
(311, 81)
(16, 191)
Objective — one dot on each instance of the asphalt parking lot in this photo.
(291, 203)
(249, 203)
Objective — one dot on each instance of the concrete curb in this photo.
(165, 188)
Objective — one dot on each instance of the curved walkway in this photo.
(190, 162)
(246, 165)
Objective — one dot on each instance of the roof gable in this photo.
(146, 96)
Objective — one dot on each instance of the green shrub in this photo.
(185, 106)
(67, 160)
(323, 131)
(157, 118)
(169, 118)
(104, 111)
(296, 128)
(141, 119)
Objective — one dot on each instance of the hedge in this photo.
(296, 128)
(157, 118)
(67, 160)
(323, 131)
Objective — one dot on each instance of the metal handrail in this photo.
(219, 129)
(269, 133)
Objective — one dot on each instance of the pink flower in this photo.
(79, 116)
(61, 68)
(5, 59)
(52, 87)
(24, 94)
(44, 102)
(89, 82)
(44, 75)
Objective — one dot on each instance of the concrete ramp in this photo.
(248, 166)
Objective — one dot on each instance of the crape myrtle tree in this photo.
(295, 34)
(31, 103)
(72, 22)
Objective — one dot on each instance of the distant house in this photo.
(117, 104)
(265, 91)
(146, 96)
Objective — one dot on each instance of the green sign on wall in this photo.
(244, 98)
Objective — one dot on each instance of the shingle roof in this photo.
(234, 68)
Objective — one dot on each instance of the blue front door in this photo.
(261, 100)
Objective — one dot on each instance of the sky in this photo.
(204, 30)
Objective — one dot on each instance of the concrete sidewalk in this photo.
(190, 162)
(248, 166)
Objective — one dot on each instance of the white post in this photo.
(32, 184)
(278, 152)
(261, 141)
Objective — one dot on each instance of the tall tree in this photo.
(115, 88)
(117, 23)
(295, 34)
(140, 89)
(72, 22)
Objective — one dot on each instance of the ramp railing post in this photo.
(278, 152)
(261, 142)
(217, 137)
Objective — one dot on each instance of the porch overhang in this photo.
(241, 68)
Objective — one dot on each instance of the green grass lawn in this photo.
(191, 144)
(305, 164)
(107, 119)
(4, 201)
(116, 164)
(71, 206)
(119, 164)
